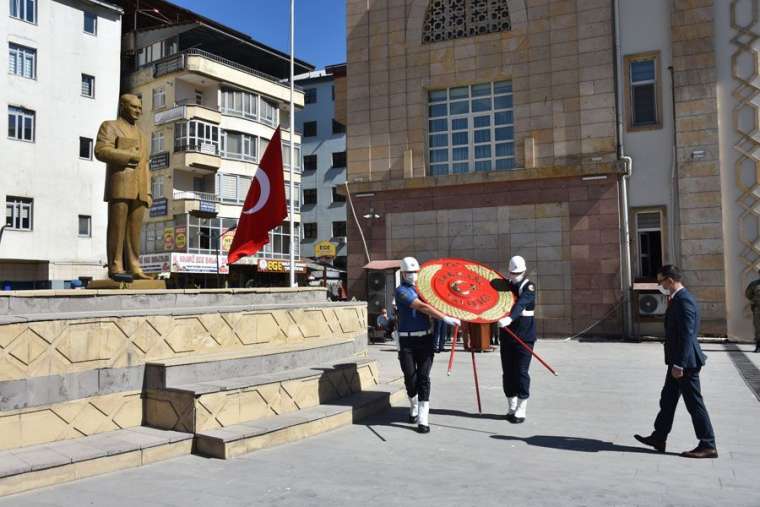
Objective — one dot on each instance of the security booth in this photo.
(382, 279)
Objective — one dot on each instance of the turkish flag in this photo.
(265, 207)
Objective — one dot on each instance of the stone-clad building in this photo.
(593, 137)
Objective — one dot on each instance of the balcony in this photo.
(187, 201)
(222, 69)
(197, 155)
(187, 112)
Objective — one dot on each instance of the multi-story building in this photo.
(212, 98)
(62, 82)
(323, 207)
(599, 139)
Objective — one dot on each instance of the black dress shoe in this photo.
(510, 417)
(121, 277)
(701, 452)
(757, 347)
(412, 419)
(651, 441)
(518, 420)
(423, 429)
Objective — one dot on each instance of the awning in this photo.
(381, 265)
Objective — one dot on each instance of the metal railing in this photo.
(197, 147)
(179, 62)
(192, 195)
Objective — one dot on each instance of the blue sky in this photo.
(320, 24)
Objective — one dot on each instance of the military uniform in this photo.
(515, 360)
(415, 344)
(753, 294)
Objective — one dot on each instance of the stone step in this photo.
(197, 368)
(239, 439)
(37, 466)
(224, 402)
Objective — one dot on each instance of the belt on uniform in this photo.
(407, 334)
(528, 313)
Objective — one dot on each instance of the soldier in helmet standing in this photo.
(515, 360)
(416, 342)
(753, 294)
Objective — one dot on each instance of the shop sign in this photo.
(156, 263)
(159, 207)
(169, 238)
(325, 249)
(180, 238)
(276, 266)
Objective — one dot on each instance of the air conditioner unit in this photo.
(652, 304)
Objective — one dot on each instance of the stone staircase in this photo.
(219, 388)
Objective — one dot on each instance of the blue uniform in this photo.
(415, 343)
(515, 360)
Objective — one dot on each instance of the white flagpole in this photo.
(292, 154)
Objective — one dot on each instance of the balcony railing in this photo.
(179, 62)
(179, 112)
(192, 195)
(197, 147)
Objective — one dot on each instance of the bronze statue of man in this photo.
(124, 149)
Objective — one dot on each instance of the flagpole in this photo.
(292, 153)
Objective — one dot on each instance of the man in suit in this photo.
(123, 148)
(752, 292)
(685, 359)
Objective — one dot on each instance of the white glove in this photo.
(505, 322)
(452, 321)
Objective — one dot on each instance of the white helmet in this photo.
(517, 265)
(409, 268)
(409, 264)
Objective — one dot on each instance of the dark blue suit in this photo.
(682, 349)
(515, 360)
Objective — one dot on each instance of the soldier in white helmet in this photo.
(515, 360)
(416, 342)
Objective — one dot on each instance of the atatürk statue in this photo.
(124, 149)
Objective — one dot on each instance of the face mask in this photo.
(410, 278)
(663, 290)
(516, 277)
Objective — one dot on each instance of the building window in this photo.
(332, 91)
(157, 144)
(297, 191)
(159, 97)
(455, 19)
(25, 10)
(90, 23)
(339, 159)
(238, 146)
(309, 129)
(22, 61)
(338, 127)
(649, 241)
(88, 86)
(309, 162)
(157, 186)
(337, 198)
(471, 128)
(157, 51)
(309, 196)
(286, 156)
(268, 112)
(85, 148)
(310, 96)
(642, 74)
(310, 231)
(21, 124)
(279, 242)
(18, 213)
(85, 226)
(237, 103)
(196, 135)
(339, 229)
(232, 188)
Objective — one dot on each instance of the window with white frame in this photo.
(22, 61)
(286, 156)
(85, 148)
(157, 51)
(238, 146)
(88, 86)
(239, 103)
(196, 135)
(159, 97)
(157, 187)
(18, 213)
(21, 124)
(25, 10)
(649, 242)
(268, 112)
(90, 23)
(232, 188)
(85, 226)
(296, 191)
(279, 242)
(263, 145)
(157, 142)
(471, 128)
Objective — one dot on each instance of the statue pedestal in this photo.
(134, 285)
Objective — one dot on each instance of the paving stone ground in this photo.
(576, 447)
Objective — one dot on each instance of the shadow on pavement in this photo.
(578, 444)
(460, 413)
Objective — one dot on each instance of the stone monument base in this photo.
(134, 285)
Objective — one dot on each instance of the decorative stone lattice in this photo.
(456, 19)
(744, 69)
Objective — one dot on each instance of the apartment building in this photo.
(62, 82)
